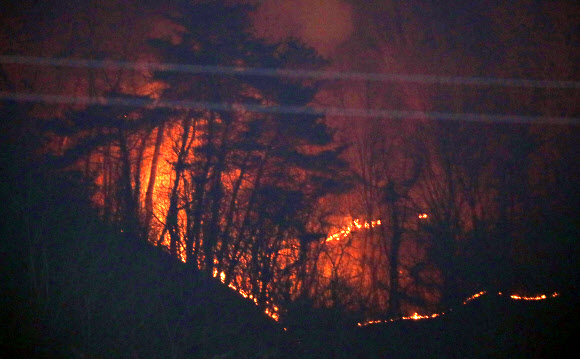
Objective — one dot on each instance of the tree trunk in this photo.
(153, 176)
(128, 205)
(394, 297)
(171, 221)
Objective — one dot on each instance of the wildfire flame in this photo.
(417, 316)
(356, 224)
(476, 295)
(271, 311)
(538, 297)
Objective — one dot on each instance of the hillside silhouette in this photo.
(74, 286)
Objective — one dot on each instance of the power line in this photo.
(288, 73)
(287, 110)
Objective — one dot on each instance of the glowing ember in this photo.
(476, 295)
(423, 216)
(356, 224)
(272, 314)
(417, 316)
(538, 297)
(272, 311)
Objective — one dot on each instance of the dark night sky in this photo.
(473, 28)
(477, 33)
(520, 39)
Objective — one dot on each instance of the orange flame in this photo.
(271, 311)
(356, 224)
(538, 297)
(476, 295)
(417, 316)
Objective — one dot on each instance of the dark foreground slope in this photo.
(72, 286)
(85, 291)
(126, 301)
